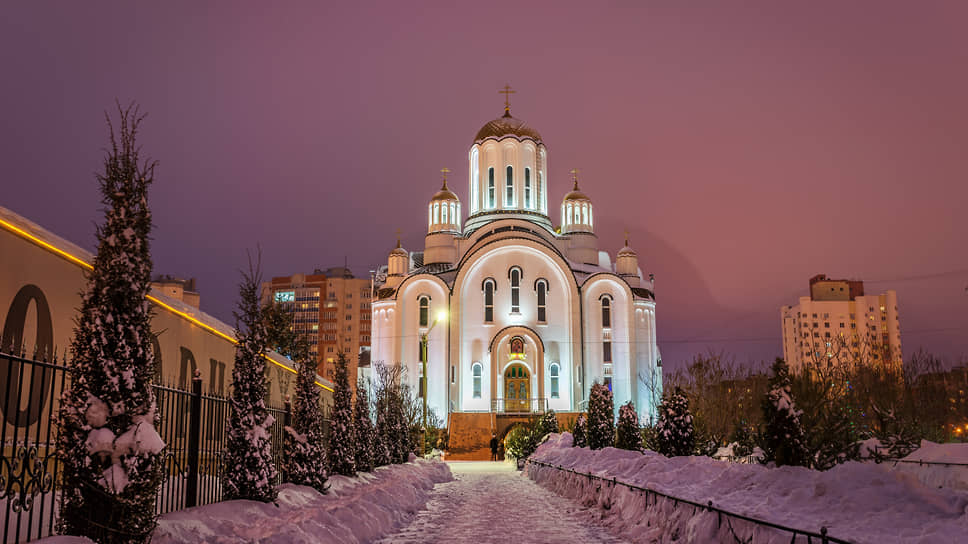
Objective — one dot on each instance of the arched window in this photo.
(538, 193)
(509, 184)
(553, 372)
(488, 300)
(475, 182)
(606, 312)
(436, 212)
(453, 213)
(430, 216)
(476, 372)
(490, 188)
(542, 288)
(424, 311)
(607, 351)
(527, 188)
(443, 213)
(515, 290)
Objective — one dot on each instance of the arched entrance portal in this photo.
(517, 389)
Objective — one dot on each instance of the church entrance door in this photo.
(517, 386)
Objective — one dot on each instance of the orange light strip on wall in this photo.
(84, 264)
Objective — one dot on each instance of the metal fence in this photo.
(519, 406)
(723, 516)
(193, 425)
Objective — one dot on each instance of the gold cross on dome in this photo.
(445, 171)
(574, 176)
(626, 237)
(398, 237)
(507, 97)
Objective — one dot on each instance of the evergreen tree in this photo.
(601, 422)
(548, 424)
(365, 448)
(743, 439)
(342, 434)
(392, 428)
(248, 471)
(675, 434)
(107, 442)
(783, 440)
(305, 451)
(580, 434)
(628, 436)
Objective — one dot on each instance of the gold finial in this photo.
(626, 237)
(574, 177)
(507, 99)
(398, 238)
(445, 171)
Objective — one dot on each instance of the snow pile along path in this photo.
(954, 476)
(857, 502)
(359, 509)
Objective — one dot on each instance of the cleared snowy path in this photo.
(492, 502)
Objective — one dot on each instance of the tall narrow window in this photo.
(554, 380)
(540, 193)
(489, 301)
(436, 212)
(490, 188)
(515, 290)
(542, 300)
(477, 372)
(606, 312)
(424, 311)
(527, 188)
(420, 367)
(443, 213)
(430, 216)
(607, 351)
(509, 184)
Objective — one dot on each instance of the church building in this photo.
(512, 313)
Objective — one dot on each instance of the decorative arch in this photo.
(532, 359)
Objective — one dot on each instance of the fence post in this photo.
(286, 422)
(194, 435)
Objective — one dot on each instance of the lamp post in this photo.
(424, 339)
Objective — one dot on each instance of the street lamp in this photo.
(424, 338)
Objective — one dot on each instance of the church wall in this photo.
(650, 383)
(621, 335)
(408, 311)
(560, 329)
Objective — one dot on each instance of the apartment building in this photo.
(838, 322)
(331, 309)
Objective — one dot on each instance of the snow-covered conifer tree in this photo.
(628, 436)
(548, 424)
(248, 471)
(601, 418)
(342, 434)
(305, 451)
(675, 434)
(580, 433)
(782, 440)
(365, 447)
(107, 439)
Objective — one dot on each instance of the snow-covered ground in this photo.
(858, 502)
(360, 509)
(493, 502)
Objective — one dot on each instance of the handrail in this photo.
(822, 535)
(920, 462)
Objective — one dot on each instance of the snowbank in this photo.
(359, 509)
(937, 476)
(856, 501)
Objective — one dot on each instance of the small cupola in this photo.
(398, 264)
(627, 264)
(444, 209)
(576, 210)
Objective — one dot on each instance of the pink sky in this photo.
(746, 148)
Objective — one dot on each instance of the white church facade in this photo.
(518, 315)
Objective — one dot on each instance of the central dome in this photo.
(507, 126)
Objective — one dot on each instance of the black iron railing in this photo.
(193, 426)
(723, 516)
(519, 406)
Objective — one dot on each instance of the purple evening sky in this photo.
(746, 146)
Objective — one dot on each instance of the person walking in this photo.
(493, 447)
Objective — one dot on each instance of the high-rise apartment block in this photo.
(331, 309)
(838, 322)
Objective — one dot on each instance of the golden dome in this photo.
(507, 126)
(444, 194)
(575, 194)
